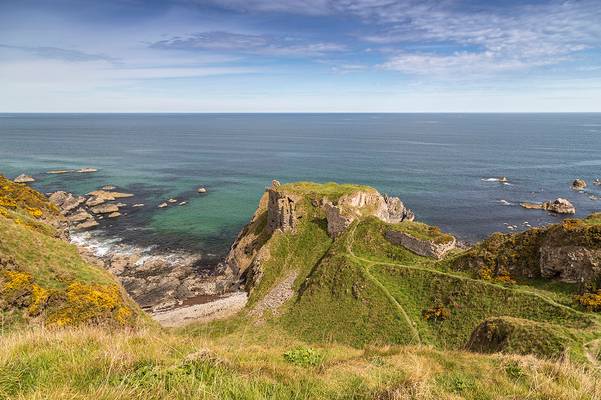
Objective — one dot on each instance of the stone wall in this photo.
(281, 211)
(362, 204)
(426, 248)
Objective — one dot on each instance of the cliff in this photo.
(568, 252)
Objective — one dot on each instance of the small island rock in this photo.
(558, 206)
(201, 190)
(163, 205)
(579, 184)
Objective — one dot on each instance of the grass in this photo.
(355, 327)
(53, 262)
(92, 362)
(331, 190)
(422, 231)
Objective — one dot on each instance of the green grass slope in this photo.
(361, 289)
(43, 279)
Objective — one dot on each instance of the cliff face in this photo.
(569, 252)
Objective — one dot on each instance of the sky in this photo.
(300, 56)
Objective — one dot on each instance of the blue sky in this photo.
(300, 56)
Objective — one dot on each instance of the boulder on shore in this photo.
(579, 184)
(88, 224)
(66, 201)
(23, 179)
(80, 216)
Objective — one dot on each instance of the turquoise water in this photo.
(436, 163)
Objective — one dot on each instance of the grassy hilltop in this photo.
(355, 317)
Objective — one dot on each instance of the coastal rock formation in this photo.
(108, 195)
(24, 179)
(162, 281)
(105, 209)
(579, 184)
(570, 263)
(87, 224)
(569, 252)
(426, 248)
(557, 206)
(66, 202)
(80, 216)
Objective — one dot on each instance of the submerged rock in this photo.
(24, 179)
(109, 196)
(105, 209)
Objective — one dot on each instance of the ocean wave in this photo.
(103, 247)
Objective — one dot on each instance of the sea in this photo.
(445, 167)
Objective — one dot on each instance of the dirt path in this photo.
(390, 297)
(217, 309)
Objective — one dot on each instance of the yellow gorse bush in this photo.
(90, 302)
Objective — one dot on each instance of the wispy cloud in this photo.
(245, 43)
(488, 38)
(57, 53)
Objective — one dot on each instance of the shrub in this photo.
(590, 301)
(304, 357)
(437, 313)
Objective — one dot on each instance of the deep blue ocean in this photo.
(436, 163)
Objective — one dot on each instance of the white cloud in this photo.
(247, 43)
